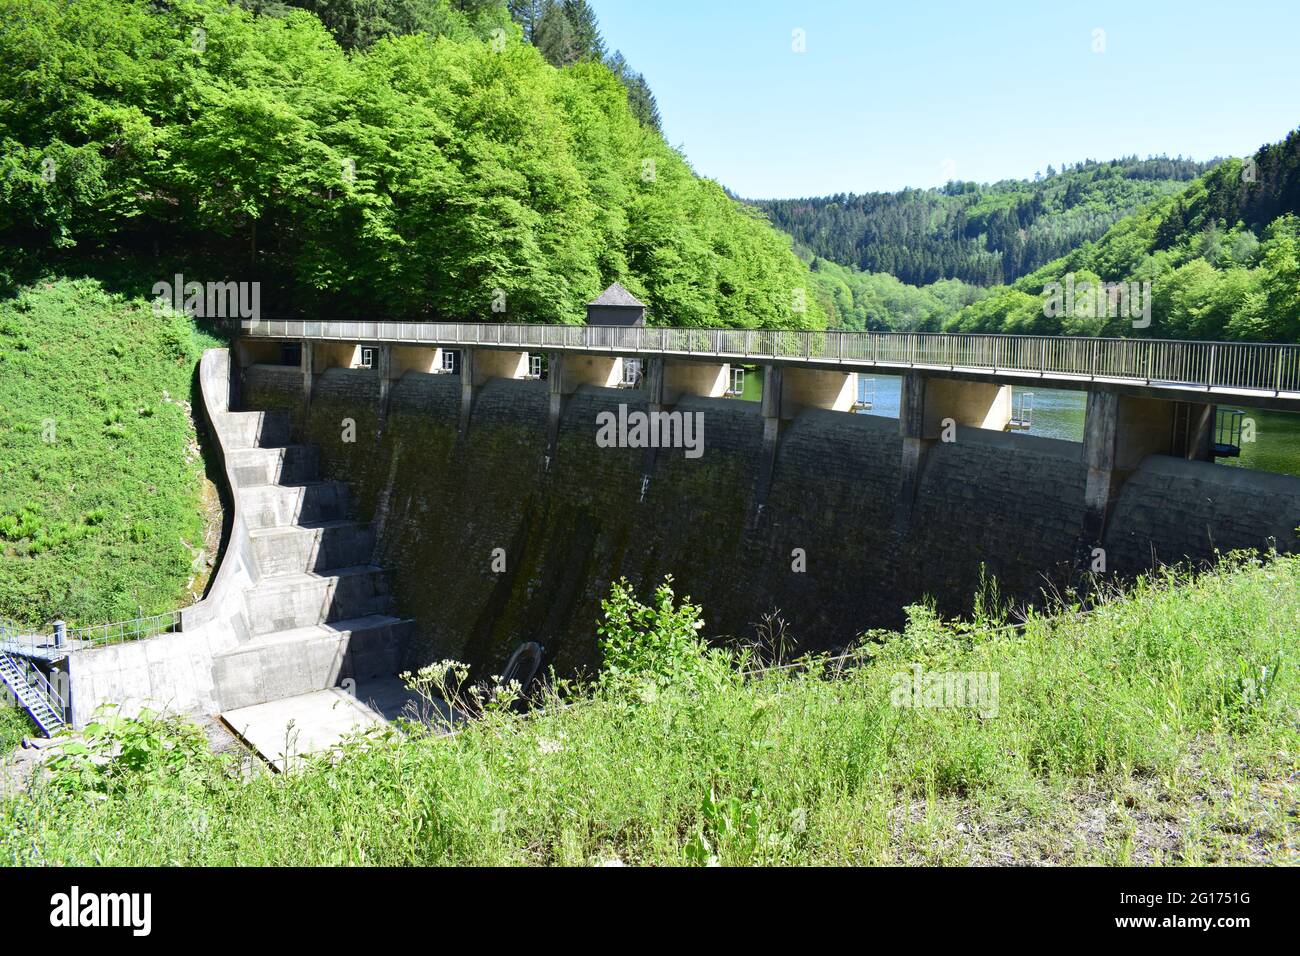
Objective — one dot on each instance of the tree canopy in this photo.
(980, 234)
(1219, 250)
(1222, 257)
(412, 175)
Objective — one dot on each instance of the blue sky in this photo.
(911, 93)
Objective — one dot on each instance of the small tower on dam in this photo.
(616, 306)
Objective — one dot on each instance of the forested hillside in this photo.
(1222, 257)
(565, 31)
(984, 235)
(878, 302)
(415, 174)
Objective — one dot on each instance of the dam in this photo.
(839, 521)
(407, 493)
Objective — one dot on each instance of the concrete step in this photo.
(288, 601)
(279, 506)
(255, 429)
(306, 659)
(290, 465)
(313, 547)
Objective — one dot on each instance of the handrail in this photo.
(1246, 366)
(121, 631)
(49, 643)
(44, 689)
(37, 695)
(38, 685)
(29, 642)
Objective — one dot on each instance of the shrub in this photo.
(650, 648)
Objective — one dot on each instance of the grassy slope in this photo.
(14, 726)
(100, 476)
(1161, 728)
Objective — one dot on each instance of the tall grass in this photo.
(14, 726)
(100, 474)
(1185, 688)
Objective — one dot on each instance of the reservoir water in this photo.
(1058, 413)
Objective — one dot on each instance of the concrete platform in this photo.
(286, 731)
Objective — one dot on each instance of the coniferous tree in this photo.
(639, 97)
(586, 31)
(528, 14)
(981, 234)
(554, 36)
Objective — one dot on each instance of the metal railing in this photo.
(1022, 412)
(1242, 366)
(97, 635)
(57, 641)
(866, 399)
(28, 684)
(31, 642)
(31, 690)
(1227, 432)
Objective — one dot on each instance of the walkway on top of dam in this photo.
(1267, 375)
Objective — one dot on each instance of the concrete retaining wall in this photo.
(1006, 505)
(824, 548)
(174, 671)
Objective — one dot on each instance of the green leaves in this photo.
(117, 753)
(648, 648)
(417, 176)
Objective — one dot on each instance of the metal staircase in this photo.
(33, 690)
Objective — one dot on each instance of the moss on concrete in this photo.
(443, 502)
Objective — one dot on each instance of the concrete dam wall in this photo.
(443, 500)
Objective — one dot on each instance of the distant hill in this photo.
(878, 302)
(981, 234)
(1222, 258)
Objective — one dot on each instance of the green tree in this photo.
(402, 178)
(555, 37)
(586, 31)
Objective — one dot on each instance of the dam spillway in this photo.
(821, 542)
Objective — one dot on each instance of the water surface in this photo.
(1058, 413)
